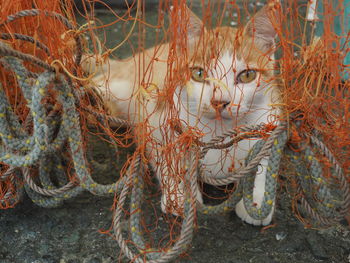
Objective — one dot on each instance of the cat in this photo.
(225, 79)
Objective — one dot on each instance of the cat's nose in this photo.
(219, 104)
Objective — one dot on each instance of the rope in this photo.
(187, 229)
(43, 191)
(329, 207)
(239, 173)
(23, 150)
(248, 172)
(7, 36)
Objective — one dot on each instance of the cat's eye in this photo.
(246, 76)
(198, 74)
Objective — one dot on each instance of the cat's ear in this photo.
(261, 29)
(185, 22)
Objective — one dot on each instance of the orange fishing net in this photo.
(308, 96)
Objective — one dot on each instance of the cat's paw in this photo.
(242, 213)
(258, 197)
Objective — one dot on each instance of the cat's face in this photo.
(230, 70)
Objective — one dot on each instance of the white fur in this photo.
(249, 104)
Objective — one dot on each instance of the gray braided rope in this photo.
(239, 173)
(344, 184)
(186, 234)
(30, 39)
(43, 191)
(52, 201)
(39, 141)
(8, 51)
(15, 141)
(318, 185)
(8, 173)
(313, 190)
(246, 184)
(40, 129)
(214, 143)
(310, 210)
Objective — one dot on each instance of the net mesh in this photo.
(155, 53)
